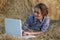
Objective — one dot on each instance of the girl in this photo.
(38, 22)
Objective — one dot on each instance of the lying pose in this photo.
(38, 22)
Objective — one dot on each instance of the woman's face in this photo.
(37, 13)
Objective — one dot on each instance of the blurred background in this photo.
(20, 9)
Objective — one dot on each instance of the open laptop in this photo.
(13, 27)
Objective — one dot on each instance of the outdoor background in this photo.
(20, 9)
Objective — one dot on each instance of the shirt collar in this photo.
(37, 20)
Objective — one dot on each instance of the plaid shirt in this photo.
(34, 24)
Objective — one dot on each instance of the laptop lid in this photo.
(13, 27)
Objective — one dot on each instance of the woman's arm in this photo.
(32, 33)
(26, 23)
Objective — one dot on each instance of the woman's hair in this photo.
(43, 8)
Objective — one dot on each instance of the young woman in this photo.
(38, 22)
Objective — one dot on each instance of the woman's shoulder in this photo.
(46, 17)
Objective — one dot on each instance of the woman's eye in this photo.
(34, 11)
(37, 12)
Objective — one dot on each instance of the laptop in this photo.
(13, 27)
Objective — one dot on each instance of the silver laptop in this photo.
(13, 27)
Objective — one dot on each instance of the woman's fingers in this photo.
(23, 33)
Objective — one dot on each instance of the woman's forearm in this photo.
(33, 33)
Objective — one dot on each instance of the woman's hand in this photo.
(25, 33)
(30, 33)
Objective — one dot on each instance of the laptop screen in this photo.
(13, 27)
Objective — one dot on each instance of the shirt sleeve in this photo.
(45, 25)
(26, 24)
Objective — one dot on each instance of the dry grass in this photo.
(20, 9)
(5, 37)
(52, 34)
